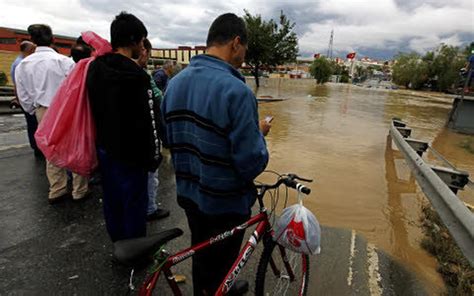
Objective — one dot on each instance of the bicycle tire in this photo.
(267, 278)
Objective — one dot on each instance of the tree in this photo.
(336, 68)
(446, 65)
(269, 43)
(321, 70)
(340, 70)
(468, 50)
(362, 73)
(438, 68)
(3, 78)
(344, 75)
(410, 70)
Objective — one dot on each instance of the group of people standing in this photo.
(37, 78)
(207, 118)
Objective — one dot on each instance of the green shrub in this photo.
(3, 78)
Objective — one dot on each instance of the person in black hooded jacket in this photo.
(126, 117)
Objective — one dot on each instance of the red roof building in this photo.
(10, 40)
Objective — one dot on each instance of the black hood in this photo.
(119, 92)
(116, 67)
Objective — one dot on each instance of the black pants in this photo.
(31, 126)
(125, 198)
(211, 265)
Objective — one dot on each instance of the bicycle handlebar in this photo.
(288, 180)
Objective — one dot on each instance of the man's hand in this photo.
(264, 126)
(15, 104)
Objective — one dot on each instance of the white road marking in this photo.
(374, 275)
(13, 146)
(351, 258)
(13, 139)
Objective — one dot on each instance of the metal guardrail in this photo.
(439, 185)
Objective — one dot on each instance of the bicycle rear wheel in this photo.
(281, 271)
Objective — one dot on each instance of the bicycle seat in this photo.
(136, 251)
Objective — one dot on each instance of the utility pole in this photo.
(331, 40)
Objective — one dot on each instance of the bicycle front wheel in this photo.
(281, 272)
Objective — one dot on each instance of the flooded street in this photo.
(334, 134)
(337, 135)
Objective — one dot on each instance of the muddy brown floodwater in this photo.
(337, 135)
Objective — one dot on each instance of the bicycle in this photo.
(288, 273)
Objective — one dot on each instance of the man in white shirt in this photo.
(26, 48)
(37, 79)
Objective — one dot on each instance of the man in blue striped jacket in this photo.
(217, 143)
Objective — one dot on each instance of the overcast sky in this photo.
(377, 28)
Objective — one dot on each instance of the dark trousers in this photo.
(31, 126)
(211, 265)
(125, 198)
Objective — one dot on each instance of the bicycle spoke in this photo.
(287, 263)
(275, 269)
(286, 272)
(294, 261)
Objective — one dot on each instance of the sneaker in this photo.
(59, 199)
(82, 197)
(157, 215)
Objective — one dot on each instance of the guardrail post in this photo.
(398, 123)
(454, 179)
(419, 146)
(404, 131)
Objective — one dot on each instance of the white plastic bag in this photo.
(298, 229)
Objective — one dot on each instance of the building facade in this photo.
(181, 55)
(10, 40)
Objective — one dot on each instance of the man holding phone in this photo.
(218, 148)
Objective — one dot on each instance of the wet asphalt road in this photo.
(60, 249)
(64, 249)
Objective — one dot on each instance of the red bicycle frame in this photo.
(262, 228)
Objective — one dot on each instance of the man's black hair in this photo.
(147, 44)
(80, 51)
(225, 28)
(41, 35)
(126, 30)
(81, 41)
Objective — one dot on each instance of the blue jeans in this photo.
(152, 192)
(125, 198)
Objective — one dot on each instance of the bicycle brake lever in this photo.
(305, 180)
(295, 176)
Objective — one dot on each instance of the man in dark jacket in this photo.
(218, 147)
(162, 76)
(124, 111)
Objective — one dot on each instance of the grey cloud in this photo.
(409, 5)
(303, 14)
(380, 27)
(161, 22)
